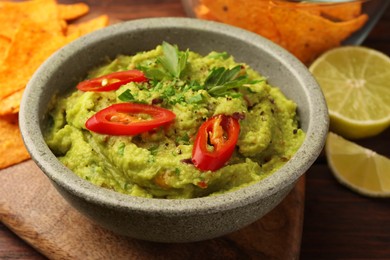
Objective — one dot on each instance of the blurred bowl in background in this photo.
(305, 29)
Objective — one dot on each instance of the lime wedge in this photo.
(358, 168)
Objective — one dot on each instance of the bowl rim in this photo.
(287, 175)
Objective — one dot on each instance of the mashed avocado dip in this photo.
(158, 163)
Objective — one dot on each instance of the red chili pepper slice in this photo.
(215, 142)
(112, 81)
(129, 119)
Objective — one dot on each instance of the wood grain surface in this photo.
(338, 224)
(32, 208)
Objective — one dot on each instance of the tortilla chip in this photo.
(11, 104)
(12, 149)
(4, 46)
(72, 11)
(333, 12)
(32, 45)
(12, 14)
(94, 24)
(30, 32)
(251, 15)
(347, 11)
(304, 29)
(313, 34)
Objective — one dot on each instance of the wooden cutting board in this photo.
(31, 207)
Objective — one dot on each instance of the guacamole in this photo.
(158, 163)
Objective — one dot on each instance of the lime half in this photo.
(356, 85)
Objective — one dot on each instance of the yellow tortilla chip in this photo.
(251, 15)
(334, 12)
(11, 104)
(345, 12)
(30, 32)
(313, 34)
(12, 149)
(12, 14)
(94, 24)
(304, 29)
(4, 46)
(31, 46)
(72, 11)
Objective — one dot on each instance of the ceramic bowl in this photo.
(166, 220)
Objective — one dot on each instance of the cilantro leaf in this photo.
(173, 60)
(153, 150)
(155, 74)
(126, 96)
(121, 149)
(196, 99)
(221, 81)
(193, 85)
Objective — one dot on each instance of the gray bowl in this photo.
(166, 220)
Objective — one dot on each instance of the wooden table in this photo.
(338, 224)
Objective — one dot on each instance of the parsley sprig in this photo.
(173, 63)
(221, 81)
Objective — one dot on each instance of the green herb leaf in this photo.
(173, 60)
(221, 75)
(193, 85)
(196, 99)
(177, 171)
(169, 91)
(121, 148)
(229, 75)
(178, 98)
(221, 81)
(155, 74)
(126, 96)
(214, 76)
(153, 150)
(185, 139)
